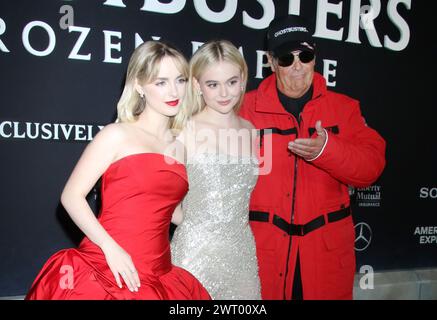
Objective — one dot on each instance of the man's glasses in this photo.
(286, 60)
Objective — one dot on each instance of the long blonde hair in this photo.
(211, 52)
(144, 67)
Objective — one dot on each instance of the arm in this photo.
(358, 157)
(178, 215)
(180, 155)
(96, 158)
(253, 143)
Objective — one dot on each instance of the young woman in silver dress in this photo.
(214, 241)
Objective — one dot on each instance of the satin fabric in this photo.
(139, 195)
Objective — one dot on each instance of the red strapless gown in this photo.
(139, 194)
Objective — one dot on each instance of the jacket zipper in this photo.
(295, 171)
(293, 201)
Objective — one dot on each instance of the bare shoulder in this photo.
(185, 139)
(113, 136)
(177, 151)
(246, 124)
(198, 121)
(113, 132)
(199, 125)
(104, 148)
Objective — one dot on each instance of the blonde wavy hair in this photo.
(144, 67)
(210, 53)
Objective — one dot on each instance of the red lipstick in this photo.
(173, 103)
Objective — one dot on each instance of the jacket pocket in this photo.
(340, 234)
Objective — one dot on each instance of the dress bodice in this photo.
(139, 195)
(220, 188)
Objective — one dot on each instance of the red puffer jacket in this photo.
(303, 206)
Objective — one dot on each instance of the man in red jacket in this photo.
(320, 144)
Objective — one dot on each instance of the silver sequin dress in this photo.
(215, 242)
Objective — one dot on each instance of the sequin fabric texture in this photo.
(215, 242)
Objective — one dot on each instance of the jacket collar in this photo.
(267, 94)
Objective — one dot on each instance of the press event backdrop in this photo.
(62, 66)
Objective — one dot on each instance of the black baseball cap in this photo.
(289, 33)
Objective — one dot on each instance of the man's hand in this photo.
(309, 149)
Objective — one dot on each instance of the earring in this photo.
(142, 96)
(199, 93)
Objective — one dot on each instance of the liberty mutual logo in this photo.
(367, 197)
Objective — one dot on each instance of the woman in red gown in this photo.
(126, 253)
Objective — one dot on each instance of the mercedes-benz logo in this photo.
(363, 236)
